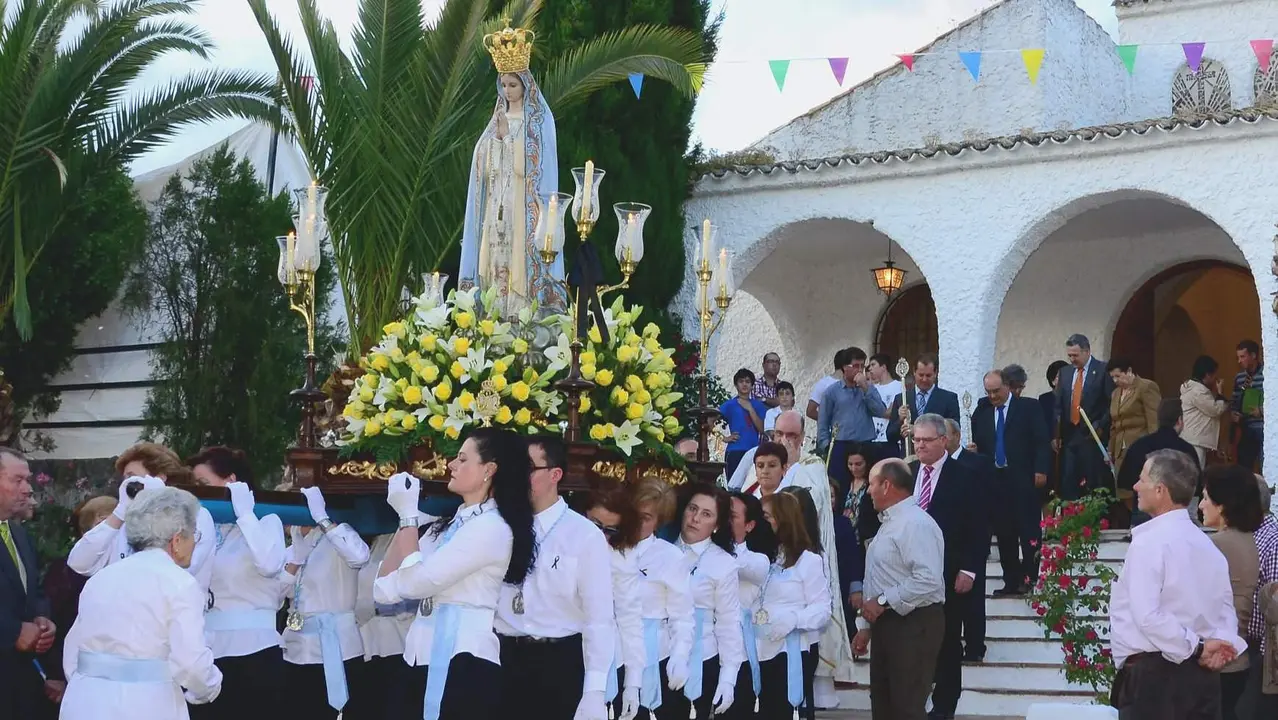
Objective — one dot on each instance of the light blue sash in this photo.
(650, 691)
(794, 668)
(752, 649)
(122, 669)
(442, 647)
(232, 620)
(610, 692)
(696, 663)
(325, 626)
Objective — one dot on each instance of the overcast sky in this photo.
(740, 102)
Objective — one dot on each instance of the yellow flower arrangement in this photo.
(422, 380)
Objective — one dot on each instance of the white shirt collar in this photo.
(547, 518)
(642, 546)
(697, 548)
(1167, 520)
(897, 508)
(956, 453)
(936, 466)
(470, 511)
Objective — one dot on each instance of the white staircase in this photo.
(1020, 668)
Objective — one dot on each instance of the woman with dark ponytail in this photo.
(456, 570)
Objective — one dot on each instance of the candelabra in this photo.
(714, 292)
(299, 262)
(583, 208)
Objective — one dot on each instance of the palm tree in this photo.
(389, 126)
(66, 113)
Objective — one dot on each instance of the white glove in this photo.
(403, 492)
(723, 697)
(315, 503)
(677, 672)
(300, 549)
(629, 703)
(780, 624)
(592, 707)
(241, 500)
(148, 483)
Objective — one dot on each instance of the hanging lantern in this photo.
(888, 278)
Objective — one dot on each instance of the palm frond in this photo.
(671, 54)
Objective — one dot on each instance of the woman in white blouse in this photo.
(665, 597)
(139, 637)
(717, 652)
(612, 510)
(456, 570)
(323, 650)
(244, 594)
(756, 547)
(792, 609)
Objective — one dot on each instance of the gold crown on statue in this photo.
(511, 48)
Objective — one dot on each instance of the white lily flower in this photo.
(465, 300)
(355, 426)
(627, 437)
(431, 316)
(386, 390)
(457, 418)
(560, 355)
(474, 363)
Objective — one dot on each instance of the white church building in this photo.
(1136, 208)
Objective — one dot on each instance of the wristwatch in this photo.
(1198, 651)
(409, 522)
(325, 525)
(882, 601)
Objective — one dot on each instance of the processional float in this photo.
(472, 357)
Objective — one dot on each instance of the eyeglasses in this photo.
(196, 537)
(918, 439)
(535, 468)
(609, 531)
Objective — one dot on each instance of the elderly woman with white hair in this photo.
(139, 637)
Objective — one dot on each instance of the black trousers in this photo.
(974, 618)
(678, 707)
(474, 690)
(542, 675)
(388, 689)
(1082, 467)
(251, 685)
(1018, 528)
(1149, 687)
(743, 696)
(1254, 702)
(21, 688)
(307, 693)
(774, 701)
(811, 657)
(1232, 685)
(1251, 448)
(949, 663)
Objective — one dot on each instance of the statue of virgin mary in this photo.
(515, 163)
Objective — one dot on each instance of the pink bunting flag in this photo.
(907, 61)
(839, 66)
(1264, 50)
(1193, 54)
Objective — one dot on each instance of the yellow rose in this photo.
(393, 328)
(633, 383)
(370, 380)
(351, 411)
(632, 339)
(523, 417)
(499, 382)
(504, 415)
(584, 405)
(520, 346)
(588, 358)
(520, 391)
(401, 384)
(430, 373)
(487, 327)
(464, 319)
(466, 400)
(451, 433)
(366, 395)
(643, 397)
(499, 367)
(372, 428)
(594, 335)
(619, 397)
(597, 433)
(412, 358)
(671, 424)
(380, 362)
(461, 345)
(396, 354)
(436, 422)
(634, 411)
(625, 354)
(456, 370)
(652, 380)
(604, 377)
(443, 391)
(409, 422)
(413, 395)
(427, 342)
(588, 372)
(652, 345)
(651, 330)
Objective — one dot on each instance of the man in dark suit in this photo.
(947, 490)
(982, 469)
(921, 397)
(1009, 430)
(1084, 387)
(25, 629)
(1166, 437)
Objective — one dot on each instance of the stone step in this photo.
(1004, 627)
(1016, 607)
(1041, 677)
(978, 702)
(1018, 650)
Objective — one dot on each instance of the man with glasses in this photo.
(947, 491)
(556, 629)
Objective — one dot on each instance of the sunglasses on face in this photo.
(609, 531)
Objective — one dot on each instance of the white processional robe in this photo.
(142, 608)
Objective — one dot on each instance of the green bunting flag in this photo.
(1128, 55)
(779, 70)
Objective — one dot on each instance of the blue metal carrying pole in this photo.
(369, 514)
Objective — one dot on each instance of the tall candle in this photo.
(705, 244)
(290, 255)
(585, 189)
(723, 271)
(631, 229)
(550, 223)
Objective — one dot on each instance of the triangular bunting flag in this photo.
(1033, 59)
(779, 70)
(839, 66)
(636, 83)
(1193, 54)
(973, 62)
(1127, 53)
(907, 61)
(1264, 50)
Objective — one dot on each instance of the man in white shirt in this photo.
(556, 629)
(1172, 619)
(879, 368)
(903, 616)
(824, 384)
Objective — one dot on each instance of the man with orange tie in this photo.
(1084, 387)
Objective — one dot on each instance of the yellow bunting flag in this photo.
(1033, 59)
